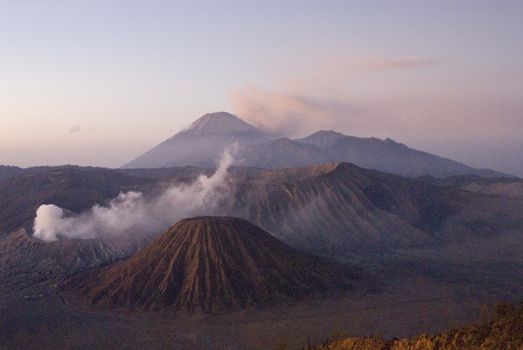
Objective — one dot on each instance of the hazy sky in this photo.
(98, 82)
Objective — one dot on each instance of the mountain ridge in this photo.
(203, 142)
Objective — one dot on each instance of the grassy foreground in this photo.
(503, 331)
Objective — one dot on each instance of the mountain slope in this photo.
(504, 331)
(333, 209)
(338, 209)
(73, 188)
(219, 123)
(281, 153)
(25, 260)
(389, 156)
(210, 264)
(9, 171)
(342, 209)
(204, 141)
(201, 144)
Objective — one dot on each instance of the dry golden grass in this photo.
(503, 332)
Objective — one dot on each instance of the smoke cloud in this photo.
(293, 115)
(322, 93)
(134, 213)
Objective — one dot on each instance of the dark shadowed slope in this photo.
(26, 261)
(210, 264)
(73, 188)
(510, 187)
(9, 171)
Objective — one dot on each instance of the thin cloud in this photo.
(75, 129)
(336, 69)
(405, 63)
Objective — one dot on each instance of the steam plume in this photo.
(292, 115)
(133, 213)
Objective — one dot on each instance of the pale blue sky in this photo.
(98, 82)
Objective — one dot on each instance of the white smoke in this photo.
(134, 213)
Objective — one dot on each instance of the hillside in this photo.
(504, 331)
(451, 250)
(342, 209)
(9, 171)
(26, 260)
(331, 209)
(73, 188)
(210, 264)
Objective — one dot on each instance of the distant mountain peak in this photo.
(391, 141)
(326, 133)
(219, 123)
(204, 141)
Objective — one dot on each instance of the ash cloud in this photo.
(294, 115)
(134, 213)
(314, 96)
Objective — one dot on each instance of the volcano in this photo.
(206, 138)
(201, 143)
(211, 264)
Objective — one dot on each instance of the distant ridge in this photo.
(211, 264)
(202, 143)
(389, 156)
(9, 171)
